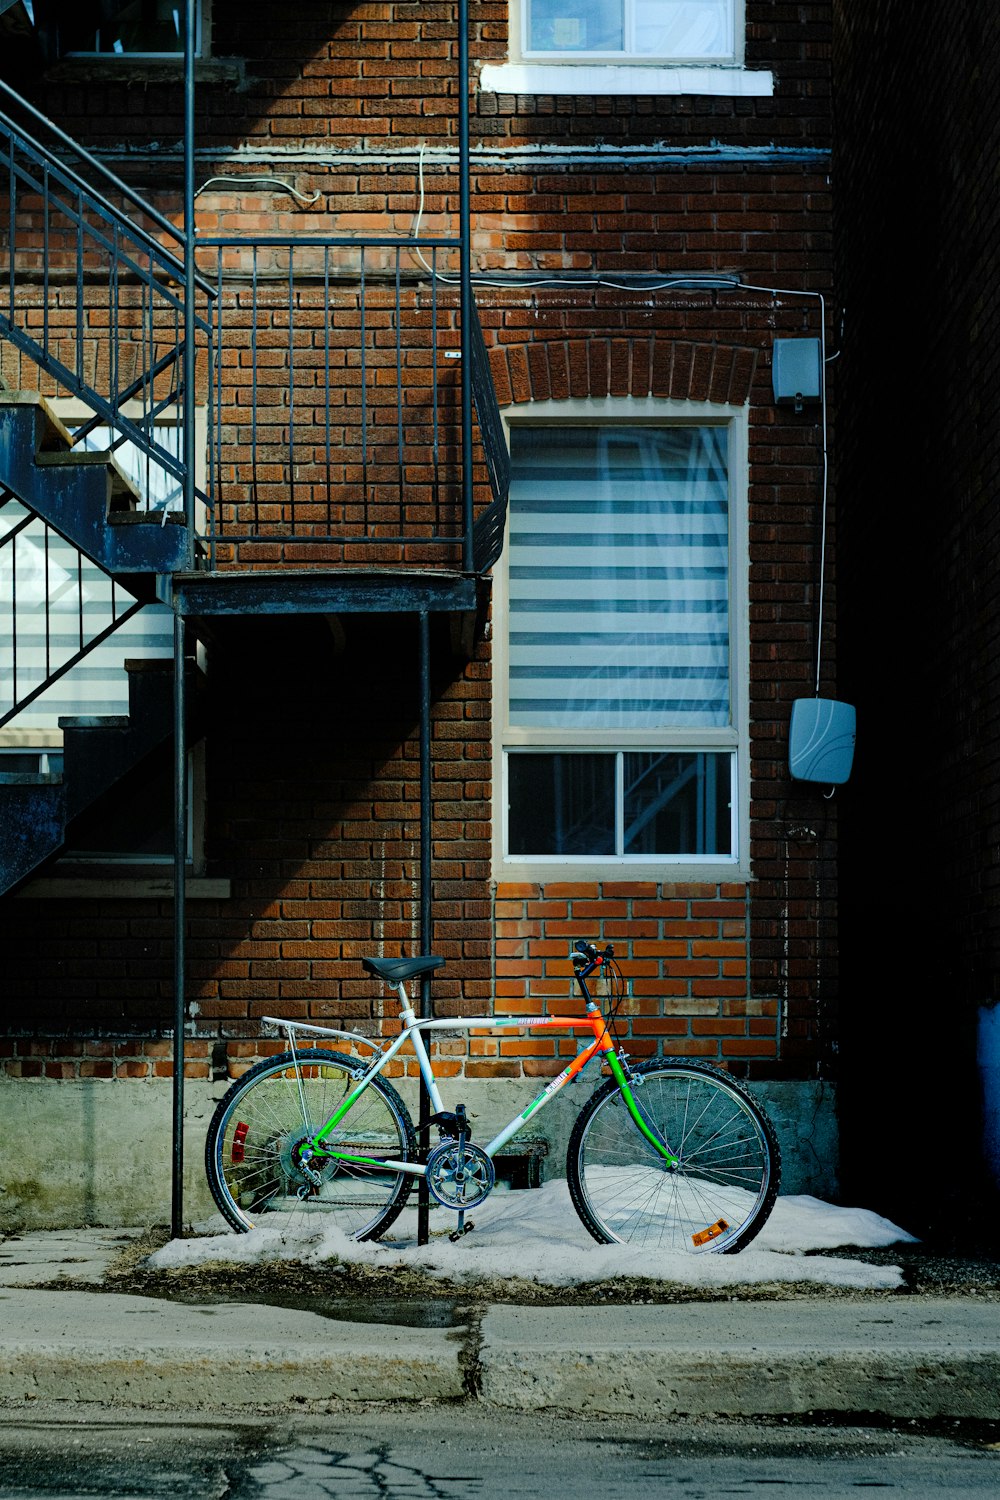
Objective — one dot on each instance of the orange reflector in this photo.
(711, 1233)
(239, 1136)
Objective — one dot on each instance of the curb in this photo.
(153, 1353)
(903, 1357)
(897, 1357)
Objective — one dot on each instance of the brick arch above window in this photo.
(672, 369)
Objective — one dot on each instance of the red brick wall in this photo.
(312, 769)
(682, 948)
(383, 74)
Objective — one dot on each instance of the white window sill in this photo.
(592, 872)
(610, 78)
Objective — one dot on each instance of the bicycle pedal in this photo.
(461, 1231)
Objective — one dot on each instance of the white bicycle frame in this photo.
(412, 1030)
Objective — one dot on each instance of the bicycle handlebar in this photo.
(584, 952)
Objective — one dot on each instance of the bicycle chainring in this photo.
(459, 1177)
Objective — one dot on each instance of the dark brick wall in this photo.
(384, 74)
(918, 129)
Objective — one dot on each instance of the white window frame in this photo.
(734, 738)
(589, 73)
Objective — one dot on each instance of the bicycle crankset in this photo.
(459, 1175)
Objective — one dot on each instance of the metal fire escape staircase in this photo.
(69, 253)
(355, 487)
(99, 306)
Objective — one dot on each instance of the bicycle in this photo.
(668, 1153)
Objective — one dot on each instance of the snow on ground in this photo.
(537, 1236)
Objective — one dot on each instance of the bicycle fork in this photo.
(642, 1122)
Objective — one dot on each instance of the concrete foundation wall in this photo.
(96, 1152)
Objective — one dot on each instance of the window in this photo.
(672, 30)
(606, 47)
(132, 28)
(623, 723)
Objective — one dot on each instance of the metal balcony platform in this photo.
(289, 591)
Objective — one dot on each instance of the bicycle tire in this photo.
(721, 1192)
(250, 1148)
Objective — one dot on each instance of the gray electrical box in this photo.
(797, 371)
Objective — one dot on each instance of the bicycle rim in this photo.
(723, 1187)
(260, 1126)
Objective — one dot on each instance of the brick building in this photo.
(649, 209)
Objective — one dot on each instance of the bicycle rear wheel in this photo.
(726, 1179)
(261, 1124)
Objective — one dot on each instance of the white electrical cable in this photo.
(277, 182)
(707, 283)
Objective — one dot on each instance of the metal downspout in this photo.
(426, 931)
(465, 254)
(180, 738)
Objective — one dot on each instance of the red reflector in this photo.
(239, 1136)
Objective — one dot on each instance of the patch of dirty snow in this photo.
(536, 1236)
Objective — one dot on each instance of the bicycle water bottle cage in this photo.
(399, 970)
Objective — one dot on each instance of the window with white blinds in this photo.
(618, 592)
(620, 739)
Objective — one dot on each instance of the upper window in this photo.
(129, 28)
(668, 30)
(639, 47)
(623, 733)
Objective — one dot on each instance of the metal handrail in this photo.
(73, 179)
(49, 674)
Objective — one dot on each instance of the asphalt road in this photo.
(440, 1454)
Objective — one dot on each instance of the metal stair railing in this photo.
(90, 291)
(336, 422)
(51, 617)
(340, 372)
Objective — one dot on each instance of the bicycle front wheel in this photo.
(252, 1154)
(724, 1183)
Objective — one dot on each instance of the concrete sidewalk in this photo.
(899, 1355)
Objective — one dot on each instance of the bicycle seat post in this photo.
(405, 1008)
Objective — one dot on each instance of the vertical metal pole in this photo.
(180, 861)
(426, 938)
(465, 252)
(191, 19)
(180, 737)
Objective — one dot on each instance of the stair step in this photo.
(97, 751)
(93, 721)
(50, 433)
(79, 491)
(123, 496)
(146, 517)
